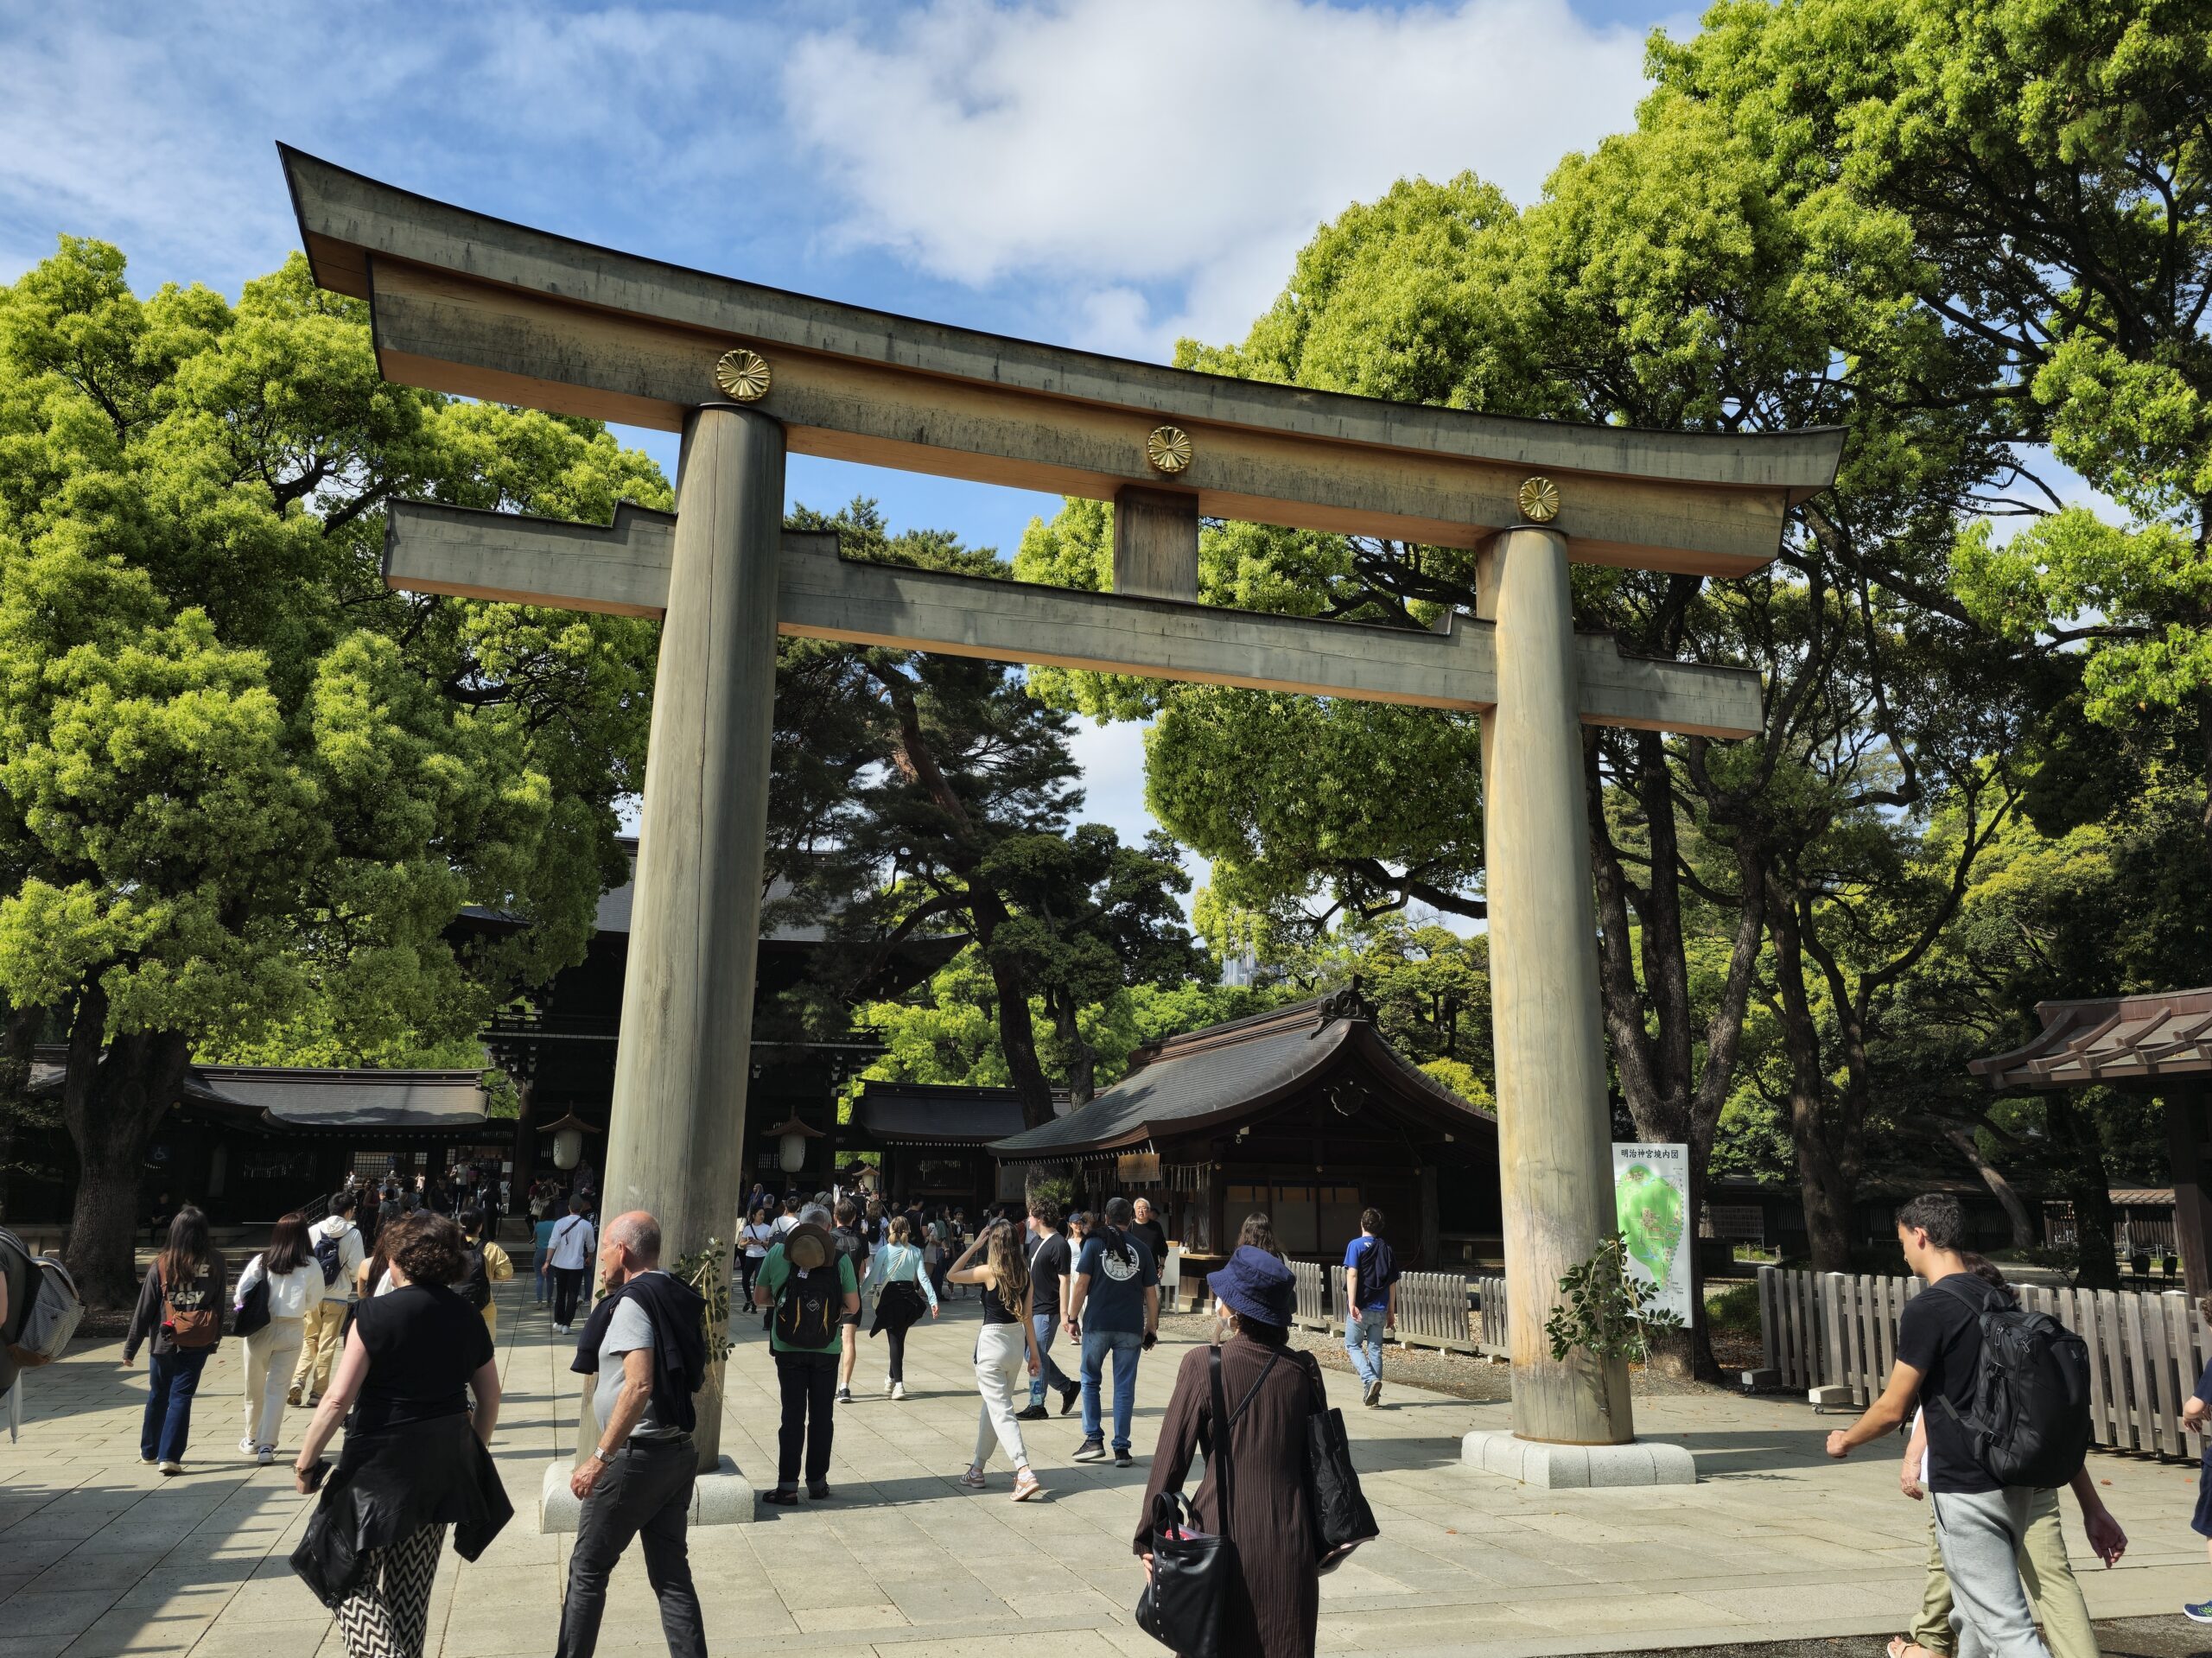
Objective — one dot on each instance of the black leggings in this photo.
(746, 1268)
(896, 1340)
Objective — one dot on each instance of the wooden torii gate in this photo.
(476, 306)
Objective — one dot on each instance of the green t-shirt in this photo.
(774, 1270)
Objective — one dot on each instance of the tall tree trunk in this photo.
(18, 1036)
(2024, 1229)
(111, 1108)
(2074, 1136)
(1017, 1030)
(1826, 1166)
(1083, 1058)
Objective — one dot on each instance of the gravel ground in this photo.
(1462, 1375)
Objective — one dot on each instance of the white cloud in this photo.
(1111, 143)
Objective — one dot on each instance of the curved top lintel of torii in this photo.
(467, 303)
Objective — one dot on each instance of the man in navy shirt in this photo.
(1113, 1307)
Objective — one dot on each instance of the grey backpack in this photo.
(52, 1309)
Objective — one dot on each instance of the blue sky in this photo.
(1109, 174)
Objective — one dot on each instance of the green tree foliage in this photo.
(2046, 167)
(247, 788)
(939, 791)
(948, 1033)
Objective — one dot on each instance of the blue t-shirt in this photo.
(544, 1235)
(1376, 1276)
(1119, 1278)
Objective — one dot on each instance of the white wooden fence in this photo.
(2146, 1349)
(1432, 1308)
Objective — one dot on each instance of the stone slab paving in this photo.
(100, 1556)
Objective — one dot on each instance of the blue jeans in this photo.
(172, 1380)
(1049, 1375)
(1364, 1341)
(1124, 1345)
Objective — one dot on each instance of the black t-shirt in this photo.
(1155, 1240)
(1049, 1261)
(424, 1343)
(1938, 1334)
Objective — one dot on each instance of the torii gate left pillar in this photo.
(675, 1136)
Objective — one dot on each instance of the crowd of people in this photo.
(392, 1334)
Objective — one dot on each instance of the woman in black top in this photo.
(1008, 1334)
(180, 1311)
(415, 1460)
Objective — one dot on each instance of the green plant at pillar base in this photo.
(706, 1270)
(1606, 1310)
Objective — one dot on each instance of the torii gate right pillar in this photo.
(1554, 1133)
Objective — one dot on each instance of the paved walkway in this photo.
(99, 1556)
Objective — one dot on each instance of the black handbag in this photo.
(1193, 1573)
(253, 1311)
(1342, 1520)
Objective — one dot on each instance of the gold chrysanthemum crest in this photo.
(743, 374)
(1168, 449)
(1538, 500)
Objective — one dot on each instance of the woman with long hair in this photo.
(1008, 1339)
(295, 1281)
(415, 1460)
(754, 1240)
(903, 1293)
(1258, 1232)
(180, 1311)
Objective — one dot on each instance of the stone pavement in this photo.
(100, 1556)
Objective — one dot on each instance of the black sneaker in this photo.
(1091, 1451)
(819, 1491)
(1069, 1395)
(1122, 1459)
(1034, 1414)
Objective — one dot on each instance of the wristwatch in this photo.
(601, 1453)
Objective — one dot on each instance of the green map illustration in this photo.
(1650, 1212)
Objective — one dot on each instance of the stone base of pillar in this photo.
(1577, 1467)
(1831, 1395)
(724, 1497)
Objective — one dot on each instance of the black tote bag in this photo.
(1342, 1520)
(253, 1312)
(1192, 1574)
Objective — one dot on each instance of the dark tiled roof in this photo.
(2110, 1040)
(1246, 1065)
(918, 1114)
(309, 1097)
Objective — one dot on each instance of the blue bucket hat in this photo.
(1255, 1285)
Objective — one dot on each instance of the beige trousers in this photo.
(2045, 1573)
(319, 1347)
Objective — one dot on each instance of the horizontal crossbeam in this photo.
(623, 571)
(468, 304)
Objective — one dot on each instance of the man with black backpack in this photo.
(338, 1252)
(483, 1264)
(1371, 1296)
(807, 1285)
(2006, 1411)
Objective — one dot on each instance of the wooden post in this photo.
(1156, 543)
(1554, 1133)
(676, 1139)
(2185, 1112)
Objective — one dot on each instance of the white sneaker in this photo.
(898, 1390)
(888, 1384)
(265, 1455)
(246, 1447)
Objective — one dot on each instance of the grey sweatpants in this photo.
(1980, 1534)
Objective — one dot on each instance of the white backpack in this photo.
(53, 1311)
